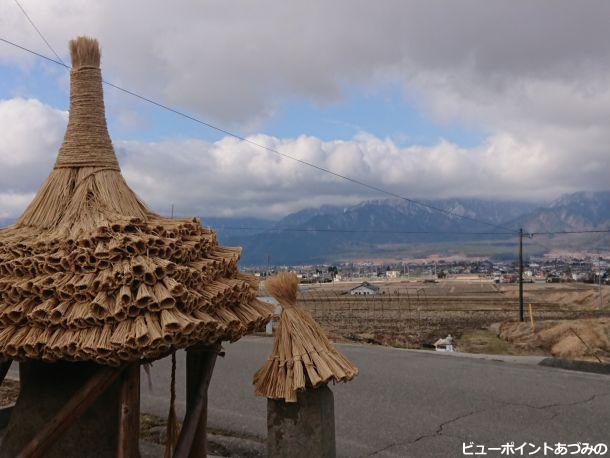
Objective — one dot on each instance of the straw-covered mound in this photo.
(89, 273)
(575, 339)
(302, 355)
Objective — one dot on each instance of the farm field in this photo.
(413, 313)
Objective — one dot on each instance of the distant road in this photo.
(414, 404)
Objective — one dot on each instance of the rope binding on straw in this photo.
(87, 142)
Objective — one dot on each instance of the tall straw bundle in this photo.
(302, 355)
(88, 272)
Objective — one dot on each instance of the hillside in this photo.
(571, 212)
(367, 229)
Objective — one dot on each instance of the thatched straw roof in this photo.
(89, 273)
(302, 355)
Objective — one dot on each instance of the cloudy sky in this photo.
(429, 99)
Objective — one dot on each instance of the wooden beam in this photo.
(129, 413)
(70, 412)
(192, 442)
(4, 367)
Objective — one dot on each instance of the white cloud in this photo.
(30, 135)
(232, 177)
(237, 62)
(12, 204)
(534, 75)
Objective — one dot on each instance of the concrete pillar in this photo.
(45, 388)
(302, 429)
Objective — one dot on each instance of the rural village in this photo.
(556, 270)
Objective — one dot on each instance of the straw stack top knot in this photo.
(85, 52)
(284, 287)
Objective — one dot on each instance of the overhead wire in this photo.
(531, 240)
(241, 138)
(531, 235)
(27, 16)
(592, 231)
(353, 231)
(447, 213)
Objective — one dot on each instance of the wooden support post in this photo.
(129, 413)
(192, 442)
(70, 412)
(302, 429)
(4, 367)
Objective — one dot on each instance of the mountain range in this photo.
(385, 230)
(390, 229)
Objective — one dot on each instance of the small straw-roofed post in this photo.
(300, 407)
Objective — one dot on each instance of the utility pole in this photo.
(599, 275)
(521, 318)
(268, 265)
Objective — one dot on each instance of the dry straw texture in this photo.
(573, 339)
(89, 273)
(302, 355)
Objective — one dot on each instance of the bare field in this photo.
(412, 313)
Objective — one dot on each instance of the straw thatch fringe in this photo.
(145, 337)
(85, 52)
(302, 354)
(89, 273)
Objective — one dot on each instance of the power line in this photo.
(447, 213)
(530, 238)
(40, 33)
(542, 245)
(531, 235)
(593, 231)
(549, 249)
(35, 53)
(353, 231)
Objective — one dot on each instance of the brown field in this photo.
(410, 314)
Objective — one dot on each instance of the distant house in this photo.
(364, 288)
(392, 273)
(579, 276)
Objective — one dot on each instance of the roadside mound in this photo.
(575, 339)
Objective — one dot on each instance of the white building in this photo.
(364, 289)
(392, 273)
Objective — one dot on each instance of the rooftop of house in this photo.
(366, 284)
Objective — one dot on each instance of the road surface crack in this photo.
(440, 429)
(436, 433)
(557, 404)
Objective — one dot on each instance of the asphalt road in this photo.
(413, 404)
